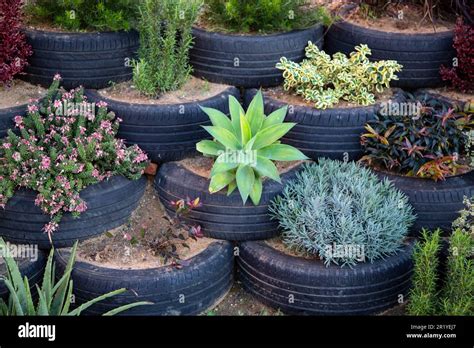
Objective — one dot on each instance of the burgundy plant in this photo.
(14, 50)
(462, 76)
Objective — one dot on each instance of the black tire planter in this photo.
(420, 54)
(166, 132)
(198, 285)
(248, 60)
(220, 216)
(301, 286)
(109, 203)
(88, 59)
(436, 204)
(332, 133)
(33, 270)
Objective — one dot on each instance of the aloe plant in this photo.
(53, 297)
(245, 146)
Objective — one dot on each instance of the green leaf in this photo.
(245, 178)
(223, 136)
(236, 111)
(218, 118)
(271, 134)
(245, 129)
(220, 180)
(256, 192)
(125, 308)
(221, 165)
(281, 152)
(255, 114)
(231, 187)
(265, 167)
(276, 117)
(209, 147)
(86, 305)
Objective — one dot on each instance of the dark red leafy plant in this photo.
(14, 50)
(461, 76)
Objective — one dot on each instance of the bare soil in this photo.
(202, 166)
(277, 244)
(19, 93)
(193, 90)
(452, 94)
(412, 21)
(116, 249)
(292, 99)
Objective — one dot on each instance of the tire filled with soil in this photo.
(166, 131)
(421, 54)
(248, 60)
(302, 286)
(332, 133)
(436, 203)
(220, 216)
(91, 60)
(109, 204)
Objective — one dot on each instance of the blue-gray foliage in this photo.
(342, 204)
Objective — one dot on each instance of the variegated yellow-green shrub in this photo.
(245, 146)
(325, 80)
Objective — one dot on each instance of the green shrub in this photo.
(245, 147)
(54, 295)
(428, 143)
(455, 296)
(85, 15)
(424, 294)
(458, 292)
(165, 40)
(336, 204)
(325, 80)
(263, 15)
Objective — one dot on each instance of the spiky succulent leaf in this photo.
(209, 147)
(245, 178)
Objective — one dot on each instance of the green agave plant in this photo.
(53, 297)
(245, 146)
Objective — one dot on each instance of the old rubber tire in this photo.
(88, 59)
(33, 270)
(220, 216)
(109, 203)
(248, 60)
(303, 286)
(186, 291)
(436, 203)
(165, 132)
(420, 54)
(332, 133)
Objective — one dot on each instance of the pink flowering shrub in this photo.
(65, 144)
